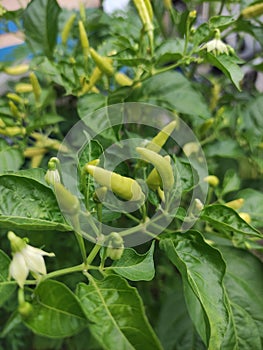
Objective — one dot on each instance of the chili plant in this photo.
(131, 157)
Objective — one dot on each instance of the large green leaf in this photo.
(6, 287)
(41, 25)
(28, 204)
(202, 269)
(229, 66)
(175, 327)
(173, 90)
(231, 182)
(224, 218)
(118, 320)
(10, 157)
(134, 266)
(244, 283)
(56, 311)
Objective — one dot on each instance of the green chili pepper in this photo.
(159, 140)
(103, 63)
(161, 164)
(67, 28)
(124, 187)
(68, 203)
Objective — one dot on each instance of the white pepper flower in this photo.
(52, 175)
(217, 46)
(25, 259)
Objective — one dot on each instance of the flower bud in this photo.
(52, 174)
(116, 247)
(212, 180)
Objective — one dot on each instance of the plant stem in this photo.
(77, 268)
(92, 254)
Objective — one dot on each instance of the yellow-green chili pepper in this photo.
(161, 164)
(235, 204)
(67, 28)
(83, 39)
(125, 187)
(252, 11)
(154, 180)
(16, 98)
(68, 203)
(103, 63)
(17, 70)
(22, 88)
(36, 86)
(123, 79)
(159, 140)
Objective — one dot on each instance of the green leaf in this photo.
(28, 204)
(221, 21)
(244, 285)
(253, 205)
(173, 90)
(188, 176)
(170, 51)
(202, 269)
(7, 287)
(56, 311)
(244, 282)
(227, 148)
(224, 218)
(41, 25)
(229, 66)
(134, 266)
(10, 157)
(231, 182)
(117, 316)
(175, 327)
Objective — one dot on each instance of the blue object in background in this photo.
(8, 27)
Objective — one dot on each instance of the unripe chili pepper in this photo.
(235, 204)
(36, 86)
(68, 203)
(161, 164)
(13, 131)
(16, 98)
(154, 180)
(25, 309)
(252, 11)
(125, 187)
(144, 9)
(161, 194)
(67, 28)
(212, 180)
(2, 123)
(17, 70)
(103, 63)
(190, 148)
(168, 4)
(246, 217)
(83, 39)
(82, 11)
(23, 88)
(123, 79)
(159, 140)
(100, 194)
(31, 152)
(95, 76)
(14, 110)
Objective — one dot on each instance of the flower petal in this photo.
(35, 261)
(18, 269)
(38, 251)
